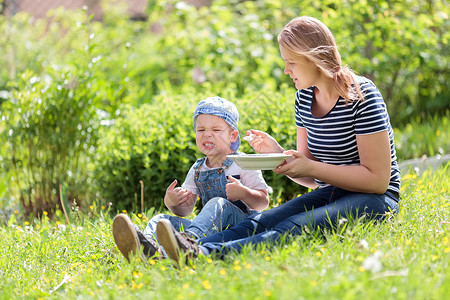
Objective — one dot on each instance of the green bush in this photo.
(49, 135)
(155, 144)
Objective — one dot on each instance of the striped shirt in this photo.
(332, 138)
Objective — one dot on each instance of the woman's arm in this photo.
(371, 176)
(302, 147)
(262, 142)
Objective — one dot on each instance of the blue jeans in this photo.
(320, 208)
(218, 214)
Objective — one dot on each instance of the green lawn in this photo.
(406, 257)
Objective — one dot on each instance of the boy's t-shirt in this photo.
(250, 178)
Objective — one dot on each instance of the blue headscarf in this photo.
(223, 109)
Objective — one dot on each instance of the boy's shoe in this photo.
(175, 243)
(150, 245)
(129, 239)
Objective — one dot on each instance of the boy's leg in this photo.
(180, 224)
(126, 237)
(217, 215)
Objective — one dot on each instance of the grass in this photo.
(406, 257)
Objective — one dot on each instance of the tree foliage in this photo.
(96, 107)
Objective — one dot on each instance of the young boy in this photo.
(229, 194)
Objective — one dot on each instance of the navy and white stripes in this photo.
(332, 138)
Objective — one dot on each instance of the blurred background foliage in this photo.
(91, 108)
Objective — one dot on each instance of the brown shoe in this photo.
(151, 248)
(129, 239)
(175, 243)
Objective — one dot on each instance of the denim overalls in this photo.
(217, 213)
(212, 183)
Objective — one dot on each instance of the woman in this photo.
(345, 147)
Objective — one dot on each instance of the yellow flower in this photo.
(45, 213)
(140, 215)
(152, 262)
(318, 254)
(185, 286)
(313, 283)
(237, 267)
(26, 223)
(362, 269)
(267, 293)
(438, 133)
(209, 260)
(103, 207)
(248, 266)
(206, 285)
(163, 268)
(91, 207)
(137, 286)
(222, 272)
(267, 258)
(435, 257)
(124, 211)
(447, 250)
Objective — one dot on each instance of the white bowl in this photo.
(267, 161)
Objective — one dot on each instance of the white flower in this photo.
(364, 244)
(373, 263)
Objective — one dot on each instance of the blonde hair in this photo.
(310, 38)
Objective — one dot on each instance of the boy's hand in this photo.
(176, 196)
(235, 189)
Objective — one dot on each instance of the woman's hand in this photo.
(262, 142)
(296, 167)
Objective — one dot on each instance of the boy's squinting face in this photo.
(213, 136)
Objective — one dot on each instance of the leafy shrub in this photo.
(155, 143)
(50, 132)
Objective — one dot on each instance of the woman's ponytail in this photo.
(345, 82)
